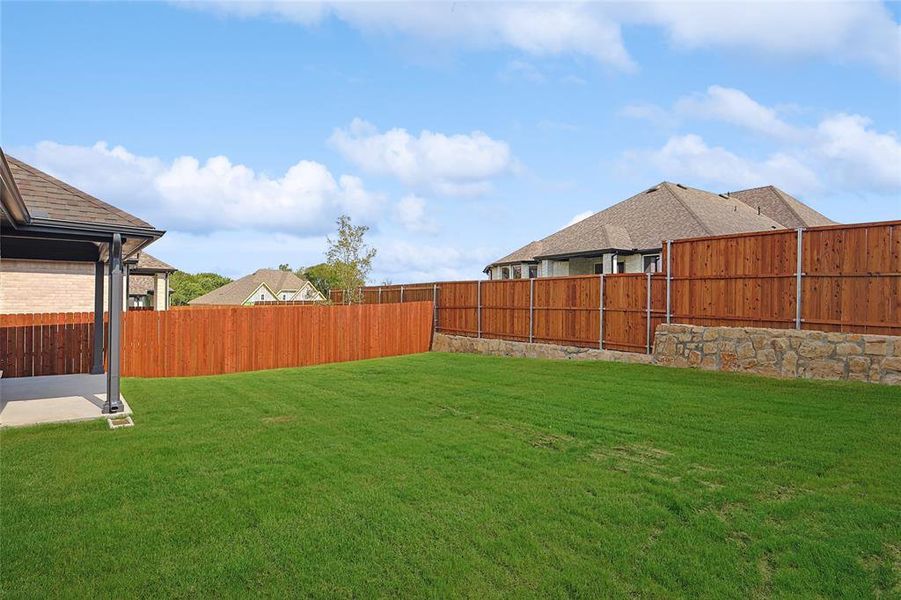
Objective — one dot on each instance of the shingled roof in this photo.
(667, 211)
(239, 290)
(141, 285)
(49, 198)
(782, 207)
(148, 264)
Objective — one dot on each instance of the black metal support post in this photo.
(113, 399)
(97, 357)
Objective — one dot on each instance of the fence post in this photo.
(798, 276)
(601, 314)
(669, 278)
(647, 338)
(479, 307)
(435, 302)
(380, 295)
(401, 294)
(531, 306)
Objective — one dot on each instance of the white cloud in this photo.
(236, 253)
(192, 195)
(579, 217)
(410, 212)
(688, 158)
(736, 107)
(843, 32)
(538, 29)
(857, 154)
(460, 164)
(846, 152)
(403, 261)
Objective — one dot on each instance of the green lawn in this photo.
(454, 475)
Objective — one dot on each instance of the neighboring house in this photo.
(627, 237)
(61, 277)
(263, 285)
(148, 282)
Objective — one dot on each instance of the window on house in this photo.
(262, 296)
(517, 272)
(598, 268)
(620, 266)
(533, 271)
(505, 272)
(652, 263)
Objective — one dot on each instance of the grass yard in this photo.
(454, 475)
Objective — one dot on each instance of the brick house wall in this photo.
(37, 286)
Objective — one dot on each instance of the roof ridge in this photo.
(788, 203)
(759, 187)
(694, 215)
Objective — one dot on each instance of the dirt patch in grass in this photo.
(552, 441)
(635, 457)
(765, 570)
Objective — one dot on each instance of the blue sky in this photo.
(458, 132)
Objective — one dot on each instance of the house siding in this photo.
(261, 294)
(309, 294)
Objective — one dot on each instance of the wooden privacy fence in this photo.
(217, 340)
(46, 344)
(836, 278)
(613, 312)
(214, 341)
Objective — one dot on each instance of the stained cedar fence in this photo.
(836, 278)
(217, 340)
(46, 344)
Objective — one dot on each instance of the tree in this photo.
(284, 267)
(186, 287)
(350, 259)
(322, 276)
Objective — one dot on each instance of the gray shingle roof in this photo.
(782, 207)
(667, 211)
(525, 254)
(239, 290)
(150, 264)
(49, 198)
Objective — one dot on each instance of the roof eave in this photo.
(12, 204)
(101, 229)
(150, 271)
(589, 253)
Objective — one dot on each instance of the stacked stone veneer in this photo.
(493, 347)
(781, 352)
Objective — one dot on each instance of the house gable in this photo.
(263, 293)
(308, 293)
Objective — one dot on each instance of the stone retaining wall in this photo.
(781, 352)
(492, 347)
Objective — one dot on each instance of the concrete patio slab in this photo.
(53, 399)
